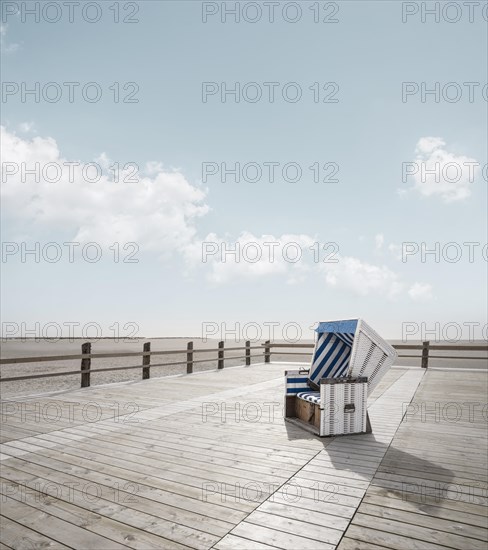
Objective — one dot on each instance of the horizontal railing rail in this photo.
(266, 352)
(51, 358)
(426, 348)
(86, 356)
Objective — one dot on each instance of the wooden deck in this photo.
(206, 461)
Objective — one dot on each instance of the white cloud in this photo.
(362, 278)
(5, 46)
(426, 145)
(420, 292)
(251, 257)
(157, 212)
(439, 172)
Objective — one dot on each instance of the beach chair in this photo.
(348, 362)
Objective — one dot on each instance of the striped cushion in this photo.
(331, 357)
(312, 396)
(296, 384)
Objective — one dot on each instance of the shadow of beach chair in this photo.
(348, 361)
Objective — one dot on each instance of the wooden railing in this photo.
(424, 356)
(266, 352)
(86, 357)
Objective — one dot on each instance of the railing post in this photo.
(248, 353)
(267, 351)
(146, 361)
(425, 354)
(220, 362)
(85, 365)
(189, 357)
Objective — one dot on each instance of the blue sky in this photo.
(370, 133)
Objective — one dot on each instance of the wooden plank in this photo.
(176, 446)
(328, 469)
(18, 537)
(276, 538)
(213, 453)
(224, 436)
(426, 534)
(442, 480)
(296, 490)
(334, 487)
(304, 515)
(198, 472)
(315, 485)
(387, 539)
(418, 494)
(168, 533)
(443, 476)
(339, 478)
(191, 507)
(51, 527)
(317, 503)
(428, 506)
(391, 464)
(231, 542)
(351, 544)
(229, 438)
(414, 500)
(75, 510)
(150, 450)
(318, 532)
(450, 525)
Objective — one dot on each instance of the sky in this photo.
(177, 172)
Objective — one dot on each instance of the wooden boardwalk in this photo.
(206, 461)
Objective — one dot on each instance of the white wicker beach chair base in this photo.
(339, 409)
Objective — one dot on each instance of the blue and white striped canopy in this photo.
(332, 350)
